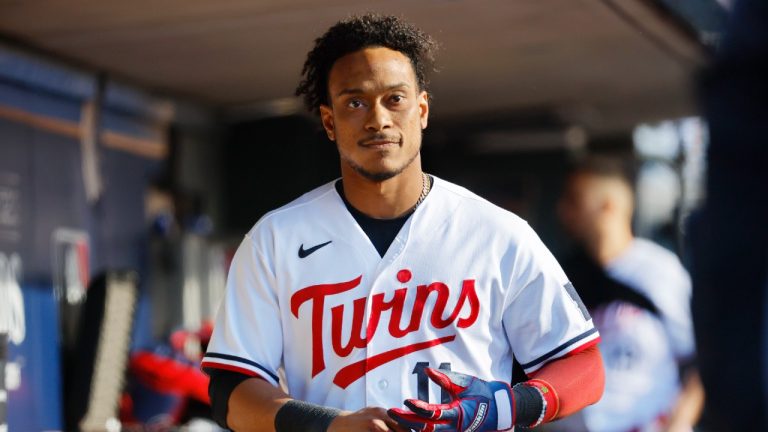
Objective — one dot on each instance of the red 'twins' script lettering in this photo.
(316, 295)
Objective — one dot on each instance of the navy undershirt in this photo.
(381, 232)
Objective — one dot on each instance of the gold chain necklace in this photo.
(426, 185)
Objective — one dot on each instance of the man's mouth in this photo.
(380, 143)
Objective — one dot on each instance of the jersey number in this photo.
(422, 382)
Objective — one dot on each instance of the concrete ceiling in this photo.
(602, 64)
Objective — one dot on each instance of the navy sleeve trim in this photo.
(210, 361)
(563, 347)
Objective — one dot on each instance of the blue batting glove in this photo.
(476, 406)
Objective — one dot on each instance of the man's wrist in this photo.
(528, 405)
(300, 416)
(536, 402)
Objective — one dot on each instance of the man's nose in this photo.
(378, 118)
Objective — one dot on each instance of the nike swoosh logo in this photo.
(303, 253)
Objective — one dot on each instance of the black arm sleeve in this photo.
(223, 382)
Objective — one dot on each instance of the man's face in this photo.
(376, 112)
(580, 206)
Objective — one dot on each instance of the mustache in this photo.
(379, 137)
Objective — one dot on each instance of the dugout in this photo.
(149, 138)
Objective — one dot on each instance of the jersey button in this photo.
(383, 384)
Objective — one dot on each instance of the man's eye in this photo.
(355, 103)
(397, 98)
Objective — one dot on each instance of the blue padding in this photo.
(39, 102)
(124, 99)
(36, 405)
(35, 72)
(32, 75)
(128, 124)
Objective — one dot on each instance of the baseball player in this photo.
(639, 295)
(391, 299)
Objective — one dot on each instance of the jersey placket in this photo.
(366, 249)
(381, 283)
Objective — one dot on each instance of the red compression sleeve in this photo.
(576, 380)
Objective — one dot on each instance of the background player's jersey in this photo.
(658, 274)
(640, 347)
(465, 286)
(641, 375)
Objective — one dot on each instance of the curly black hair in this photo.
(354, 34)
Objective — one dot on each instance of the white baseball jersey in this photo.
(465, 286)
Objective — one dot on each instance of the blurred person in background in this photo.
(639, 296)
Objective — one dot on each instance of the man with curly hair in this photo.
(390, 299)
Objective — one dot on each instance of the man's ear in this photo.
(326, 117)
(424, 109)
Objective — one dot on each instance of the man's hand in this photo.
(476, 406)
(367, 419)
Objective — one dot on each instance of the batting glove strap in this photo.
(476, 406)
